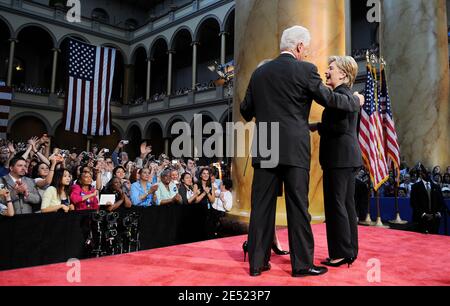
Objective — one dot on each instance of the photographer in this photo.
(123, 155)
(8, 209)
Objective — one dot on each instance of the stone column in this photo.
(12, 48)
(194, 63)
(54, 68)
(415, 48)
(260, 25)
(169, 74)
(149, 75)
(223, 47)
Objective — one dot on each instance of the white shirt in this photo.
(13, 179)
(226, 205)
(289, 52)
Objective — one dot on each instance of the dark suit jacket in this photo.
(419, 200)
(282, 91)
(339, 146)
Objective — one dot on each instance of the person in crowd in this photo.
(446, 180)
(437, 179)
(207, 191)
(136, 176)
(25, 196)
(224, 202)
(143, 191)
(146, 151)
(340, 158)
(427, 203)
(446, 193)
(57, 196)
(191, 167)
(448, 170)
(402, 192)
(122, 200)
(43, 174)
(436, 170)
(406, 184)
(118, 157)
(215, 178)
(104, 170)
(6, 204)
(83, 194)
(187, 190)
(175, 176)
(119, 172)
(167, 192)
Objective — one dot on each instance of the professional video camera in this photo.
(94, 240)
(131, 232)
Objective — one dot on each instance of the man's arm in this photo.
(326, 97)
(247, 106)
(33, 195)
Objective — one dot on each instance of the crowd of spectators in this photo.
(36, 179)
(37, 90)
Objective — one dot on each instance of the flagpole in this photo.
(368, 221)
(379, 223)
(398, 219)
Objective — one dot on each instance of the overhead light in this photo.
(19, 68)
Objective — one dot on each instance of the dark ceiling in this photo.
(144, 4)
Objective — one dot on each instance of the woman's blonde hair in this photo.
(348, 65)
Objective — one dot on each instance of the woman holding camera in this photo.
(57, 196)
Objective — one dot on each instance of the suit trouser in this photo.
(266, 185)
(340, 212)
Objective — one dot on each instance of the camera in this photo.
(106, 150)
(125, 142)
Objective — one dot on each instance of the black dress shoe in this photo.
(258, 272)
(313, 271)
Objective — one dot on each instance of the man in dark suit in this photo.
(427, 203)
(282, 92)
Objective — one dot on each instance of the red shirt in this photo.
(76, 197)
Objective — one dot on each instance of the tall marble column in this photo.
(223, 47)
(12, 48)
(169, 73)
(149, 75)
(54, 68)
(415, 48)
(260, 25)
(194, 64)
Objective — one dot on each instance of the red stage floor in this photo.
(405, 259)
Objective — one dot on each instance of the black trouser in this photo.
(265, 189)
(340, 212)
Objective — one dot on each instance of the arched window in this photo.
(100, 15)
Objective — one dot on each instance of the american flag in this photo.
(390, 135)
(5, 106)
(371, 135)
(91, 73)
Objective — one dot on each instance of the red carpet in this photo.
(406, 259)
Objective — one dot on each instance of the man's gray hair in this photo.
(293, 36)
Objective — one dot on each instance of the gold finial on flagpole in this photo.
(368, 56)
(374, 59)
(382, 62)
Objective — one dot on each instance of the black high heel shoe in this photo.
(245, 249)
(277, 251)
(348, 261)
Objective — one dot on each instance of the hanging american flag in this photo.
(5, 106)
(91, 73)
(390, 135)
(371, 135)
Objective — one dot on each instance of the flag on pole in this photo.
(91, 74)
(371, 134)
(392, 148)
(5, 107)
